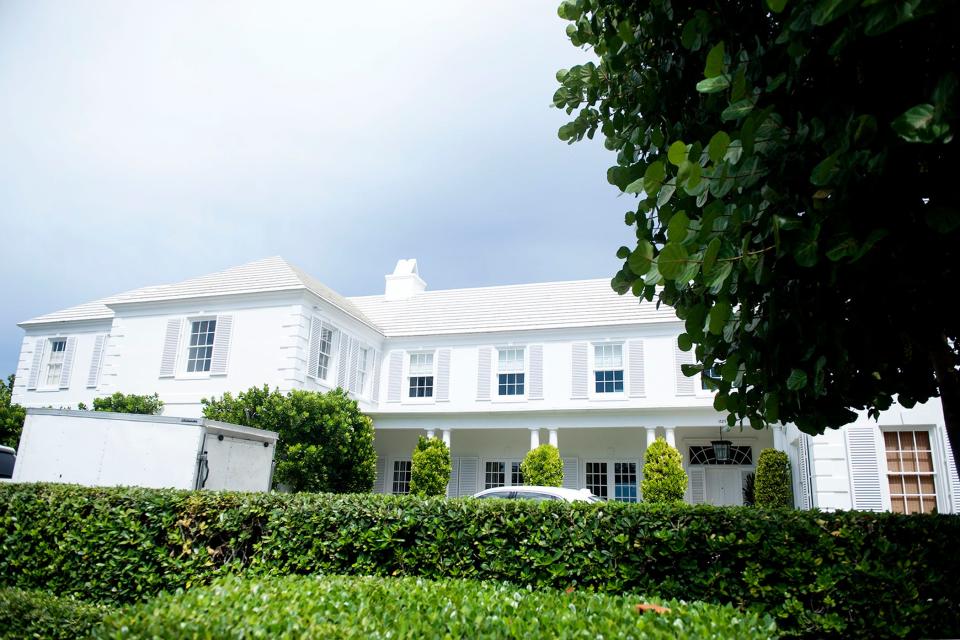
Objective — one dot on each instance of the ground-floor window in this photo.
(401, 476)
(496, 474)
(910, 472)
(621, 484)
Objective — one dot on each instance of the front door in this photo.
(724, 486)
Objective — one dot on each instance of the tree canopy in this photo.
(794, 164)
(11, 415)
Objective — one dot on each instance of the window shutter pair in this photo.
(221, 346)
(96, 361)
(863, 459)
(684, 384)
(571, 473)
(579, 383)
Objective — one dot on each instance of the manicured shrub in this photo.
(37, 614)
(430, 468)
(843, 574)
(130, 403)
(542, 467)
(325, 443)
(664, 480)
(298, 607)
(11, 415)
(773, 486)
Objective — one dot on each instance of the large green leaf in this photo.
(737, 110)
(678, 227)
(653, 177)
(672, 260)
(713, 85)
(641, 258)
(823, 172)
(677, 153)
(797, 380)
(919, 124)
(718, 146)
(714, 66)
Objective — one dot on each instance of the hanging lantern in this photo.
(721, 448)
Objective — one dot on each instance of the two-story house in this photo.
(494, 371)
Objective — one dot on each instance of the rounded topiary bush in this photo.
(664, 480)
(431, 467)
(773, 486)
(543, 467)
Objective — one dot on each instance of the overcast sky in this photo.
(148, 142)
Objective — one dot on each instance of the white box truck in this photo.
(99, 449)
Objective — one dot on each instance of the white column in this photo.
(430, 433)
(553, 438)
(779, 437)
(671, 438)
(534, 438)
(651, 435)
(446, 437)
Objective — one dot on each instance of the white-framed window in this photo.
(511, 374)
(608, 367)
(200, 345)
(420, 374)
(363, 365)
(707, 376)
(911, 474)
(325, 344)
(54, 367)
(402, 470)
(502, 473)
(613, 479)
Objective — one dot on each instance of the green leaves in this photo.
(653, 177)
(714, 66)
(777, 6)
(718, 317)
(678, 227)
(737, 110)
(823, 172)
(677, 153)
(718, 146)
(641, 258)
(672, 260)
(710, 255)
(920, 124)
(713, 85)
(797, 380)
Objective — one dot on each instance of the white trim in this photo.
(940, 480)
(592, 393)
(611, 484)
(495, 374)
(405, 397)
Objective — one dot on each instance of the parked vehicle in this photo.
(539, 494)
(8, 457)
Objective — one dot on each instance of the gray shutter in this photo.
(635, 362)
(39, 346)
(571, 473)
(354, 363)
(578, 388)
(952, 477)
(803, 469)
(343, 362)
(171, 343)
(453, 487)
(395, 373)
(467, 476)
(864, 463)
(697, 486)
(535, 385)
(378, 482)
(67, 370)
(483, 373)
(221, 345)
(93, 377)
(375, 387)
(443, 375)
(684, 384)
(313, 358)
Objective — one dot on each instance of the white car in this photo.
(524, 492)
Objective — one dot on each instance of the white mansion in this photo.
(494, 371)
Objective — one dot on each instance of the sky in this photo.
(149, 142)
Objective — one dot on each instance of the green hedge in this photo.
(840, 574)
(345, 607)
(36, 614)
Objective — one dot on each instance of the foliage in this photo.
(843, 574)
(36, 614)
(130, 403)
(749, 489)
(325, 441)
(797, 201)
(774, 485)
(11, 415)
(664, 480)
(542, 467)
(431, 467)
(370, 607)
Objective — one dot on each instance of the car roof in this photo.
(578, 494)
(7, 449)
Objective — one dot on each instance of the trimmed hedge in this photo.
(36, 614)
(773, 486)
(820, 574)
(297, 607)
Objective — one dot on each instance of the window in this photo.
(620, 485)
(608, 368)
(910, 471)
(510, 372)
(421, 375)
(200, 351)
(325, 350)
(597, 478)
(362, 364)
(707, 378)
(739, 455)
(58, 349)
(516, 475)
(625, 481)
(495, 474)
(401, 476)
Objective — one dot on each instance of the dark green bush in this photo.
(297, 607)
(36, 614)
(543, 467)
(820, 574)
(749, 484)
(773, 486)
(664, 480)
(129, 403)
(430, 468)
(11, 415)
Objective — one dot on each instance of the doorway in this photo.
(724, 486)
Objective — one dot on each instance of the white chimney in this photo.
(404, 282)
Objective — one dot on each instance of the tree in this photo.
(129, 403)
(325, 442)
(543, 467)
(664, 480)
(794, 164)
(773, 486)
(430, 468)
(11, 415)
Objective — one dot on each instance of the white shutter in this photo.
(467, 476)
(67, 370)
(864, 463)
(375, 387)
(171, 343)
(39, 346)
(313, 358)
(535, 385)
(571, 473)
(93, 377)
(354, 363)
(453, 487)
(684, 384)
(635, 362)
(343, 361)
(952, 477)
(578, 388)
(483, 373)
(378, 482)
(697, 485)
(443, 375)
(221, 345)
(394, 375)
(803, 468)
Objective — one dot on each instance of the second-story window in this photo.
(510, 372)
(200, 351)
(709, 377)
(608, 368)
(58, 349)
(421, 375)
(363, 361)
(325, 350)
